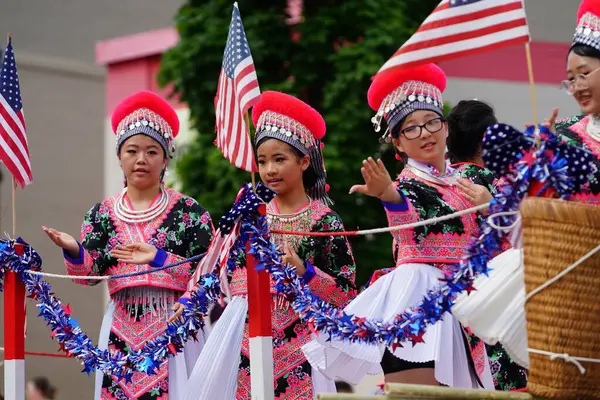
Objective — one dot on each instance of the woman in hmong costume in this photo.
(583, 82)
(145, 215)
(410, 100)
(288, 140)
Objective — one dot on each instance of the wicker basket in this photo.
(564, 317)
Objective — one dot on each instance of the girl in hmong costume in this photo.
(150, 219)
(410, 100)
(288, 140)
(467, 124)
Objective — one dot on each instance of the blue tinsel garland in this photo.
(554, 164)
(148, 360)
(510, 153)
(77, 344)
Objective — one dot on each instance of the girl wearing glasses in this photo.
(410, 102)
(583, 63)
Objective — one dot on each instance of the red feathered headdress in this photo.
(286, 118)
(395, 94)
(588, 6)
(146, 113)
(285, 111)
(588, 26)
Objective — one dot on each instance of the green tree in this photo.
(327, 60)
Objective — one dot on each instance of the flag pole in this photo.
(252, 175)
(259, 327)
(259, 320)
(14, 319)
(14, 208)
(531, 83)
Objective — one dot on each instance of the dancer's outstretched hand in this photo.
(136, 253)
(63, 240)
(378, 182)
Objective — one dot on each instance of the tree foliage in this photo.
(326, 60)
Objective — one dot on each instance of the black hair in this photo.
(160, 145)
(584, 50)
(401, 156)
(309, 176)
(395, 131)
(343, 387)
(467, 123)
(216, 312)
(42, 384)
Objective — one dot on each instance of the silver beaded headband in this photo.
(407, 98)
(286, 129)
(146, 122)
(588, 31)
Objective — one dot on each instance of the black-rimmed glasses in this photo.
(415, 131)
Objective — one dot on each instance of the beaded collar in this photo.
(300, 221)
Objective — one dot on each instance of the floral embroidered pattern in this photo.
(334, 282)
(508, 375)
(183, 231)
(573, 132)
(443, 242)
(476, 174)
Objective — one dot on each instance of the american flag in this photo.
(215, 260)
(14, 152)
(458, 28)
(237, 91)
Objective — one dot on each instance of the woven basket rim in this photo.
(558, 210)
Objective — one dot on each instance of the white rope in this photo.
(364, 232)
(562, 273)
(73, 277)
(508, 228)
(424, 222)
(568, 358)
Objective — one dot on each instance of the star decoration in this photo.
(396, 345)
(415, 327)
(172, 349)
(418, 338)
(470, 288)
(67, 309)
(87, 369)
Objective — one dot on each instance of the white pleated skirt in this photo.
(180, 366)
(216, 371)
(495, 312)
(387, 297)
